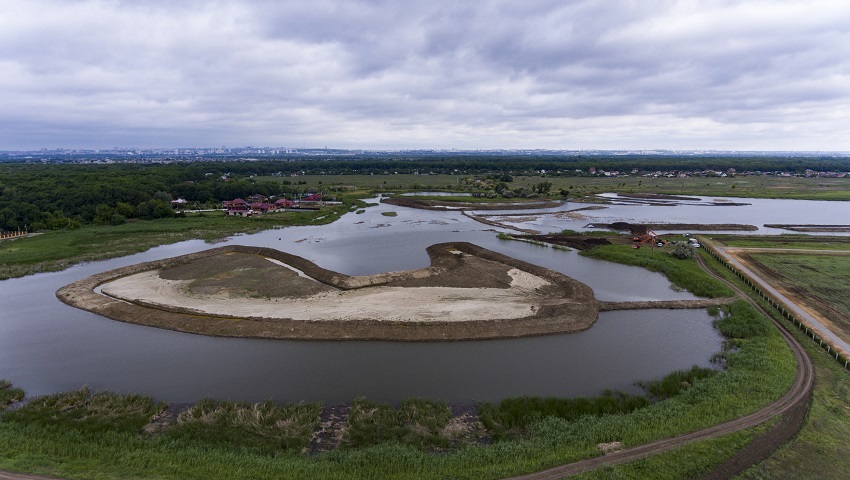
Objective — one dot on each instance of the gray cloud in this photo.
(384, 74)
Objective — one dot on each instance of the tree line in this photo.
(62, 195)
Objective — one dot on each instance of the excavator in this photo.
(647, 236)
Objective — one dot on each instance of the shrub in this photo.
(682, 251)
(9, 395)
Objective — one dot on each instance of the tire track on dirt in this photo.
(793, 406)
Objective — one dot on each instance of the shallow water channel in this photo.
(46, 346)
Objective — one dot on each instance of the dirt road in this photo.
(793, 406)
(807, 308)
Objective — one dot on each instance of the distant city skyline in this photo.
(767, 75)
(268, 151)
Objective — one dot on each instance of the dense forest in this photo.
(62, 195)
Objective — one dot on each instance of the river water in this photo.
(701, 210)
(46, 346)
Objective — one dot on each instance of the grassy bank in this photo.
(759, 370)
(684, 273)
(59, 249)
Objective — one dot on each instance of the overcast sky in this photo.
(560, 74)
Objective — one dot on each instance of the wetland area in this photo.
(621, 350)
(39, 332)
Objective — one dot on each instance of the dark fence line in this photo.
(781, 308)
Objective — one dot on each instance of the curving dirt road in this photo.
(793, 406)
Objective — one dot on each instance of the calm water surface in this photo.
(705, 210)
(46, 346)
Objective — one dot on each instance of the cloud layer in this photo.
(766, 75)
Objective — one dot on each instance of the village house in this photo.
(237, 207)
(247, 208)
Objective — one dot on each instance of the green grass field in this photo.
(58, 249)
(377, 183)
(796, 241)
(825, 277)
(749, 186)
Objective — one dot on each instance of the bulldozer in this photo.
(644, 236)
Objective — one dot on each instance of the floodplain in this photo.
(117, 454)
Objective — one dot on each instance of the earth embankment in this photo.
(466, 293)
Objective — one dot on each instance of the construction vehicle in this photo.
(648, 236)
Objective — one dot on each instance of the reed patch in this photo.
(263, 426)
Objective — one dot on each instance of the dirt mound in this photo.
(242, 275)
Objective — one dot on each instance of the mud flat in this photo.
(467, 293)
